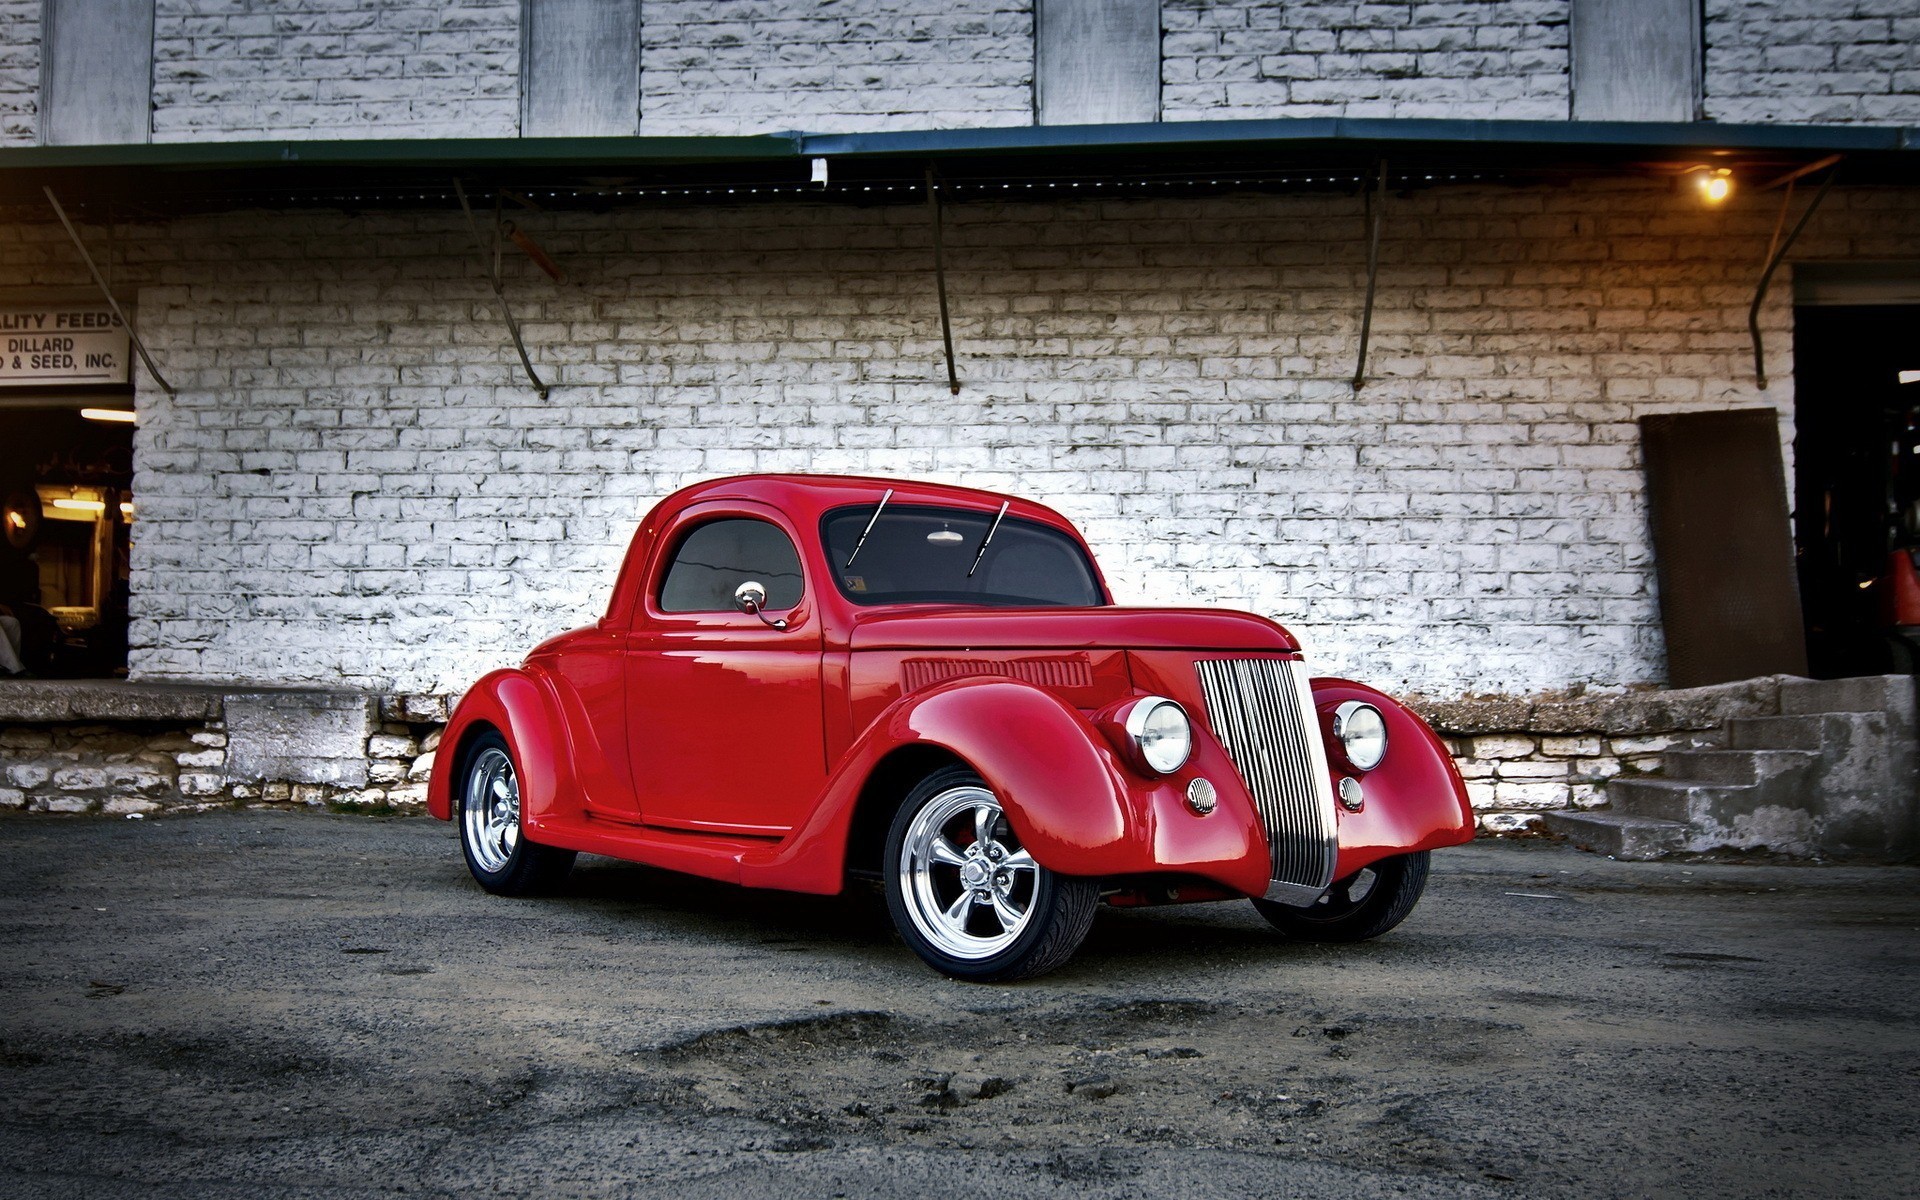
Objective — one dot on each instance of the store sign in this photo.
(54, 345)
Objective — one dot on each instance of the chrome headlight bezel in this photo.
(1362, 731)
(1149, 735)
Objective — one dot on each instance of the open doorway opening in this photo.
(67, 511)
(1857, 485)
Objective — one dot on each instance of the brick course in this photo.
(238, 70)
(256, 69)
(19, 72)
(1827, 62)
(760, 66)
(1389, 58)
(355, 487)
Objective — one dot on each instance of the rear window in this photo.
(922, 554)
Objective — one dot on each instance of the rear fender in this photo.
(521, 707)
(1415, 799)
(1073, 803)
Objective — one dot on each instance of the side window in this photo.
(719, 556)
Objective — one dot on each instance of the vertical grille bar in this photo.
(1261, 710)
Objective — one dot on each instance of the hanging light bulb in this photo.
(1716, 185)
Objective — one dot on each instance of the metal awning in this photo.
(1282, 154)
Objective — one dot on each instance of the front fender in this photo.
(1076, 807)
(523, 709)
(1415, 799)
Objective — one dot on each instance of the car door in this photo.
(724, 726)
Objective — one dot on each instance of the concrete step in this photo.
(1675, 799)
(1869, 693)
(1802, 732)
(1738, 766)
(1827, 733)
(1618, 835)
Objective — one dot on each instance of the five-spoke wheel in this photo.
(490, 813)
(497, 852)
(967, 896)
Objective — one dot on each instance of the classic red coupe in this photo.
(801, 680)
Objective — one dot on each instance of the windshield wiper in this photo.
(983, 541)
(869, 528)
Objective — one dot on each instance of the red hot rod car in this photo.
(802, 679)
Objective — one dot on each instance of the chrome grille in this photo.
(1261, 711)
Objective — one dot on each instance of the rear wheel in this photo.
(966, 895)
(1363, 905)
(502, 860)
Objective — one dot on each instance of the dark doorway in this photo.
(1857, 484)
(67, 510)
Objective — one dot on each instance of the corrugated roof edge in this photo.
(1147, 137)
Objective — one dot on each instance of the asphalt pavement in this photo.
(266, 1003)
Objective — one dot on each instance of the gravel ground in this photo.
(271, 1003)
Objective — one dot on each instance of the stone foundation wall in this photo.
(136, 768)
(1523, 756)
(131, 749)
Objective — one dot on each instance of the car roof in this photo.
(806, 498)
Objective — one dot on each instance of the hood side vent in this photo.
(1053, 672)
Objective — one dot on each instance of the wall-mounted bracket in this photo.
(133, 335)
(1775, 253)
(1376, 204)
(940, 281)
(493, 278)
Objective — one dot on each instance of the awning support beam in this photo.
(1776, 254)
(493, 277)
(1376, 202)
(940, 282)
(133, 335)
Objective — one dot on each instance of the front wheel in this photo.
(1363, 905)
(502, 860)
(967, 897)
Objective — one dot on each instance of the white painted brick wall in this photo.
(1823, 61)
(19, 72)
(760, 66)
(1383, 58)
(239, 70)
(250, 69)
(354, 484)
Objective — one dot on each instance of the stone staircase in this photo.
(1832, 774)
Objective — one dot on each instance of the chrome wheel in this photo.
(968, 885)
(491, 812)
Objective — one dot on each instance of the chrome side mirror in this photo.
(751, 597)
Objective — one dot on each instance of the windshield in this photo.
(920, 554)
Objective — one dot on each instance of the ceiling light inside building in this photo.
(80, 505)
(1910, 377)
(125, 416)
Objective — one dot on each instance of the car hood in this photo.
(964, 628)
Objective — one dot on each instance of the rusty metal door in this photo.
(1717, 495)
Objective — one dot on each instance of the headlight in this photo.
(1362, 732)
(1161, 732)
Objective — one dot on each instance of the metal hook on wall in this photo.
(1376, 204)
(493, 278)
(1778, 251)
(133, 335)
(940, 282)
